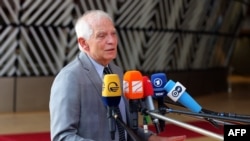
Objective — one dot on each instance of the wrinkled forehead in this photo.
(102, 24)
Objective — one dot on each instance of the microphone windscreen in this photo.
(176, 92)
(132, 84)
(147, 87)
(111, 90)
(159, 80)
(169, 85)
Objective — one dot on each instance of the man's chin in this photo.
(111, 57)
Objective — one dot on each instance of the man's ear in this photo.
(84, 45)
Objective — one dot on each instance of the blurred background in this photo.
(204, 44)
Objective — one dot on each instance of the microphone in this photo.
(133, 91)
(148, 93)
(177, 92)
(159, 80)
(111, 96)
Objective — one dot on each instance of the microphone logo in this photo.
(177, 91)
(113, 87)
(132, 85)
(157, 82)
(136, 87)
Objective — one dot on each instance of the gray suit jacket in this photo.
(77, 112)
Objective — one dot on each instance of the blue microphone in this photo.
(177, 92)
(159, 80)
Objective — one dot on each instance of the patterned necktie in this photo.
(117, 110)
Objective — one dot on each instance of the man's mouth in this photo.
(111, 49)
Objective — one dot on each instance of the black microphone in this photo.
(223, 114)
(111, 96)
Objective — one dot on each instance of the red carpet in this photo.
(170, 130)
(26, 137)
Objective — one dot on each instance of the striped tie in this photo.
(117, 111)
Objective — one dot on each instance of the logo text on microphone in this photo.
(176, 92)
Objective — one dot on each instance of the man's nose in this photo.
(111, 39)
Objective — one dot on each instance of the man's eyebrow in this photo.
(101, 32)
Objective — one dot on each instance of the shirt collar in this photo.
(99, 68)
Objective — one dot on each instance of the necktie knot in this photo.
(106, 70)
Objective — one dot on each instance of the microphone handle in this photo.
(133, 109)
(223, 114)
(235, 115)
(157, 125)
(111, 122)
(129, 131)
(161, 107)
(150, 105)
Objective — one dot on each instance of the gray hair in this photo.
(83, 24)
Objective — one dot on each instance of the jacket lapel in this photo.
(91, 72)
